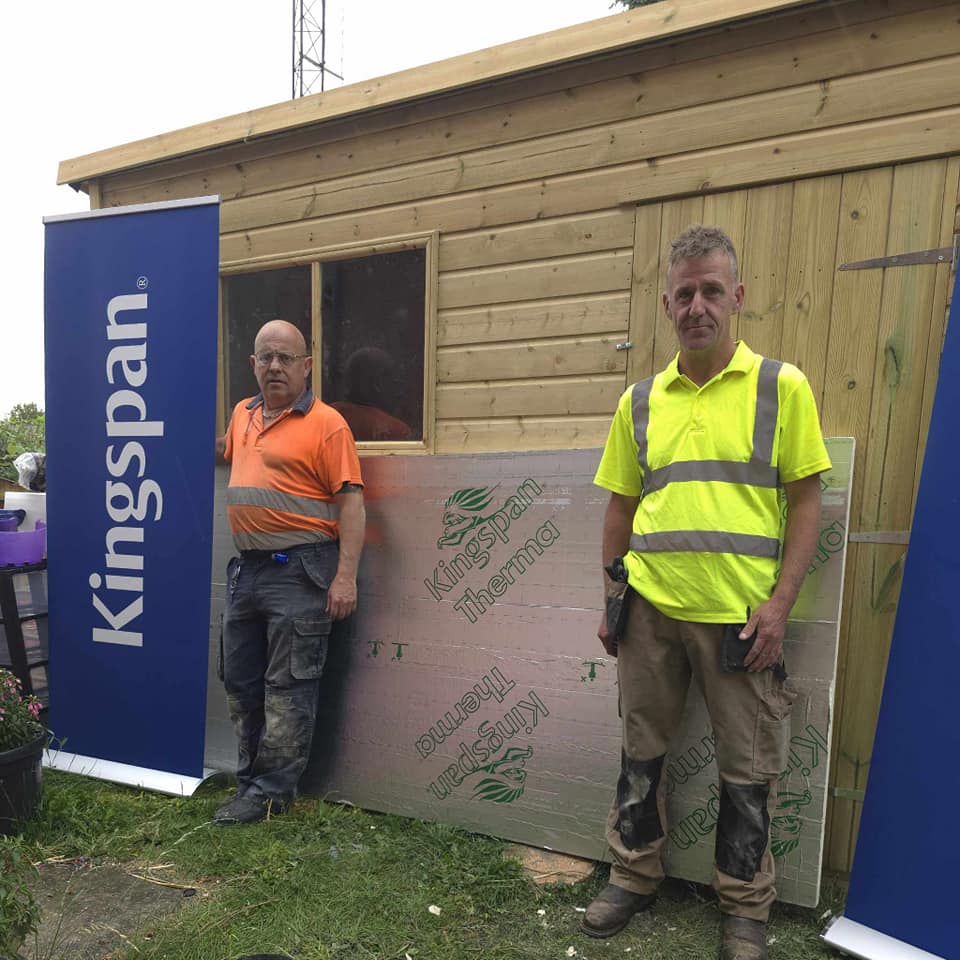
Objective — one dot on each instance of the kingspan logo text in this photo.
(464, 515)
(126, 462)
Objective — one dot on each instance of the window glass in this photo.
(372, 320)
(249, 301)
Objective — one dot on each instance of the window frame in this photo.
(315, 258)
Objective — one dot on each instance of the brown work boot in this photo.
(743, 939)
(611, 911)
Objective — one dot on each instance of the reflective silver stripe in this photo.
(768, 407)
(278, 540)
(287, 502)
(640, 403)
(756, 472)
(706, 541)
(724, 471)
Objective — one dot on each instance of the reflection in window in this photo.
(373, 342)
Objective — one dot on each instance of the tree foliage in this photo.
(21, 431)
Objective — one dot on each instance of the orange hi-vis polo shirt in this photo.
(284, 476)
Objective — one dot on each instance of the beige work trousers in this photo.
(750, 714)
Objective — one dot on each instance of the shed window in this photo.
(365, 320)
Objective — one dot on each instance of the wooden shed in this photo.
(515, 206)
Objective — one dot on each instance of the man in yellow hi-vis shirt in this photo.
(694, 462)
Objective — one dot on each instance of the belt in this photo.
(281, 556)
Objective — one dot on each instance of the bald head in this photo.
(280, 363)
(283, 329)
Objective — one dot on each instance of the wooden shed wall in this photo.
(807, 135)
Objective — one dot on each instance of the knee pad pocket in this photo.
(742, 828)
(638, 818)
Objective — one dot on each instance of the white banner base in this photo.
(175, 784)
(860, 941)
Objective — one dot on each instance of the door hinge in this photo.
(936, 255)
(626, 345)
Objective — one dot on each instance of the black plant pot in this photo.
(20, 770)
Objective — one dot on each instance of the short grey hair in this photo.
(699, 241)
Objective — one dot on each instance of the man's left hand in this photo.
(769, 620)
(342, 597)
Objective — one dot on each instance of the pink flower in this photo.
(34, 708)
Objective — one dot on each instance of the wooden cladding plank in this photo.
(645, 304)
(751, 60)
(541, 358)
(845, 410)
(911, 88)
(764, 261)
(853, 146)
(889, 462)
(728, 211)
(847, 147)
(563, 276)
(562, 236)
(544, 397)
(540, 318)
(855, 312)
(809, 277)
(522, 433)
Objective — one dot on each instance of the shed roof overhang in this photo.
(666, 20)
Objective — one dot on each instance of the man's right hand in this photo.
(609, 643)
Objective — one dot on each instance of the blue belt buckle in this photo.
(279, 558)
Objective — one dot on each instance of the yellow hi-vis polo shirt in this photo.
(708, 463)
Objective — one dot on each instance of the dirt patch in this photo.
(546, 866)
(90, 910)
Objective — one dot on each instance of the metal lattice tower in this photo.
(309, 47)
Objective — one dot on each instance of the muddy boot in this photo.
(743, 939)
(612, 910)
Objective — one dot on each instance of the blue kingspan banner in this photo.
(131, 361)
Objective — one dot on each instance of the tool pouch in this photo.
(733, 650)
(618, 599)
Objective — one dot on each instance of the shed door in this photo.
(869, 341)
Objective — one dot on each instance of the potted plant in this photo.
(22, 739)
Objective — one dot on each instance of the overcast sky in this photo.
(84, 76)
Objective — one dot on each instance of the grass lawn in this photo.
(330, 882)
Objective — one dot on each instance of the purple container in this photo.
(7, 523)
(20, 547)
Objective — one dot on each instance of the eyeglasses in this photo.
(284, 359)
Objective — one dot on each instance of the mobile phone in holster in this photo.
(618, 600)
(733, 650)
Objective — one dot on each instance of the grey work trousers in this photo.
(275, 632)
(750, 714)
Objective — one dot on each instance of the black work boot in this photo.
(246, 809)
(743, 939)
(611, 911)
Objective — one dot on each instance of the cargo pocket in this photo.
(771, 742)
(319, 568)
(308, 649)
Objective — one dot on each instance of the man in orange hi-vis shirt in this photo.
(295, 506)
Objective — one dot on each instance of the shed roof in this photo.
(608, 35)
